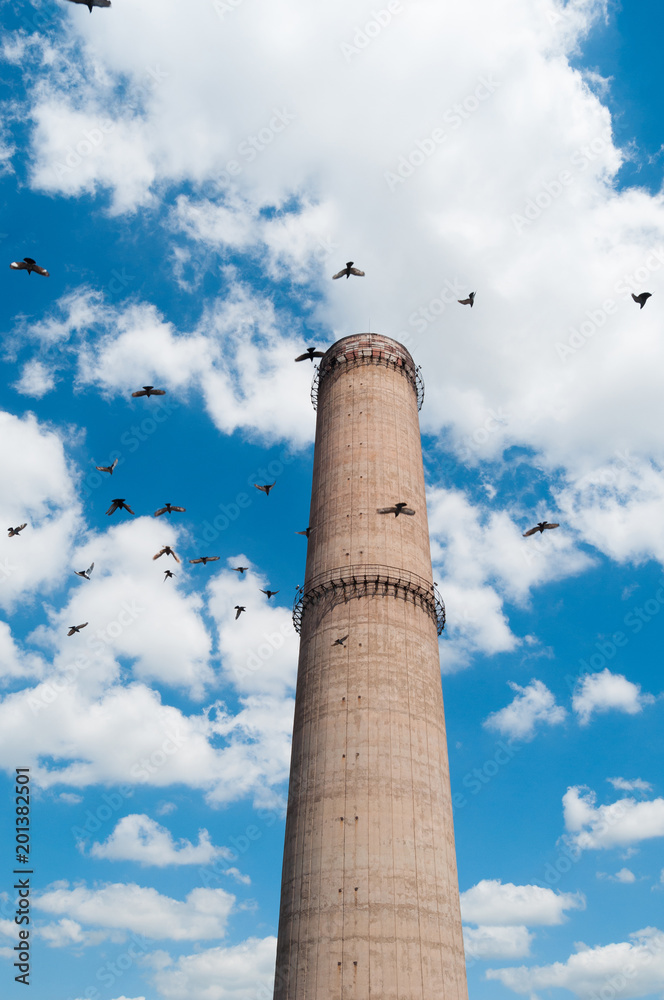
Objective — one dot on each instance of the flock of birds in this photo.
(120, 503)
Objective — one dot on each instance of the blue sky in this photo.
(192, 177)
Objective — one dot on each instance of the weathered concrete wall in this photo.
(370, 900)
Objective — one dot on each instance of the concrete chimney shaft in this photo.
(369, 898)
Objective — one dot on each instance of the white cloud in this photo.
(241, 972)
(15, 664)
(592, 827)
(633, 968)
(139, 838)
(36, 379)
(624, 875)
(202, 915)
(635, 784)
(604, 692)
(492, 902)
(497, 942)
(533, 705)
(37, 488)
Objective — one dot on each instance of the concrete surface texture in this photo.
(370, 899)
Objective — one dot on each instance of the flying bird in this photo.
(85, 573)
(76, 628)
(106, 468)
(399, 508)
(29, 265)
(541, 526)
(310, 354)
(168, 574)
(167, 510)
(239, 569)
(270, 593)
(166, 551)
(469, 301)
(93, 3)
(15, 531)
(307, 531)
(641, 299)
(266, 489)
(149, 390)
(119, 502)
(348, 270)
(238, 611)
(340, 642)
(205, 559)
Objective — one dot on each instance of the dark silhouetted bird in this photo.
(238, 611)
(239, 569)
(399, 508)
(340, 642)
(85, 573)
(266, 489)
(641, 299)
(76, 628)
(270, 593)
(310, 354)
(106, 468)
(307, 531)
(168, 574)
(117, 503)
(29, 265)
(348, 270)
(93, 3)
(15, 531)
(149, 390)
(469, 301)
(541, 526)
(166, 551)
(167, 510)
(205, 559)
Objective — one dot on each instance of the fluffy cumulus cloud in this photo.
(533, 705)
(618, 824)
(36, 489)
(606, 692)
(139, 838)
(482, 560)
(497, 942)
(242, 972)
(633, 968)
(492, 902)
(129, 907)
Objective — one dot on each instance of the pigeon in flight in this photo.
(15, 531)
(93, 3)
(119, 502)
(85, 573)
(310, 354)
(270, 593)
(541, 526)
(469, 301)
(399, 508)
(167, 510)
(348, 270)
(76, 628)
(239, 569)
(266, 489)
(641, 299)
(205, 559)
(166, 551)
(149, 390)
(168, 574)
(238, 611)
(307, 531)
(29, 265)
(106, 468)
(340, 642)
